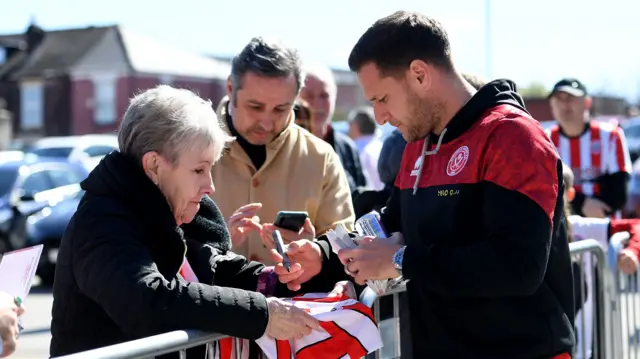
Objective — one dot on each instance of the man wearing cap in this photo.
(596, 151)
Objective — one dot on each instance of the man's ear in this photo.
(571, 194)
(229, 87)
(150, 165)
(589, 101)
(419, 74)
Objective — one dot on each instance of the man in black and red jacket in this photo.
(476, 209)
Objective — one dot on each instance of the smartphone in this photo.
(290, 220)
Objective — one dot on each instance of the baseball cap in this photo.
(571, 86)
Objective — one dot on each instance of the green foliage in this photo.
(535, 89)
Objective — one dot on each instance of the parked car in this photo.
(631, 129)
(12, 156)
(87, 149)
(29, 186)
(46, 227)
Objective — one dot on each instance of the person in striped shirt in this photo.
(595, 151)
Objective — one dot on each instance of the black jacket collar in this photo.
(121, 178)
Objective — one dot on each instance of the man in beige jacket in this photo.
(274, 165)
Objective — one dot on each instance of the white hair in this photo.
(170, 121)
(324, 74)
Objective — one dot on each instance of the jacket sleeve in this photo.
(614, 190)
(632, 226)
(614, 184)
(116, 271)
(391, 157)
(335, 204)
(518, 203)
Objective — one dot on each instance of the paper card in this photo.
(17, 269)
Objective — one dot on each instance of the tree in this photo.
(535, 89)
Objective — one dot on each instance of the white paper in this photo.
(340, 239)
(17, 270)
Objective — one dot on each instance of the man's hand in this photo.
(305, 254)
(344, 287)
(372, 259)
(396, 238)
(243, 221)
(307, 231)
(595, 208)
(627, 262)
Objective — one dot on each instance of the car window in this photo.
(58, 152)
(36, 182)
(95, 151)
(60, 177)
(7, 180)
(632, 131)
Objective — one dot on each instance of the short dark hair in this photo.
(393, 42)
(303, 116)
(266, 58)
(365, 119)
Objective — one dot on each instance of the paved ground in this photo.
(34, 341)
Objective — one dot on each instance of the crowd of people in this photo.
(175, 230)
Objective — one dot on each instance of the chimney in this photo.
(34, 37)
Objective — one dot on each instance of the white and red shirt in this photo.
(601, 149)
(349, 330)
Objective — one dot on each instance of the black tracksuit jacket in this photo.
(487, 254)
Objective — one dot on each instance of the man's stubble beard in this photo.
(424, 116)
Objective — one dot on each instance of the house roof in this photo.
(57, 53)
(148, 55)
(60, 50)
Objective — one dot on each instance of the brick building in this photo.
(79, 81)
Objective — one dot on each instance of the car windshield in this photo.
(7, 180)
(58, 152)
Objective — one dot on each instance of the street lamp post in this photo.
(487, 41)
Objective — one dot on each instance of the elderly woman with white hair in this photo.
(147, 250)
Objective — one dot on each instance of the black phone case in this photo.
(292, 221)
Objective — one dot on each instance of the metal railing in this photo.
(176, 341)
(595, 289)
(606, 325)
(626, 314)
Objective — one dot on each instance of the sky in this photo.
(533, 41)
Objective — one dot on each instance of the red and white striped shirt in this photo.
(349, 330)
(601, 149)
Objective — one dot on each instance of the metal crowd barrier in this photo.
(177, 341)
(626, 317)
(606, 324)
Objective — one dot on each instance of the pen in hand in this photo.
(277, 238)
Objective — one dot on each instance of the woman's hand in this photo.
(243, 221)
(287, 321)
(304, 253)
(9, 313)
